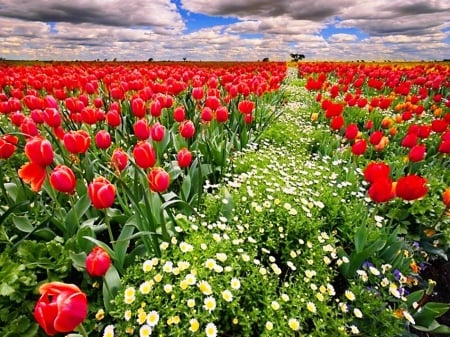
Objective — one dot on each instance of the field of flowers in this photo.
(223, 199)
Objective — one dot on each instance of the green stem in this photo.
(108, 226)
(82, 330)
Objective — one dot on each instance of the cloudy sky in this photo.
(225, 29)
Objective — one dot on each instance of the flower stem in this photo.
(82, 330)
(108, 227)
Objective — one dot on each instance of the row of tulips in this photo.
(106, 155)
(393, 121)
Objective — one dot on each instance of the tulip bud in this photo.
(184, 157)
(103, 139)
(63, 179)
(101, 192)
(187, 129)
(119, 159)
(446, 197)
(98, 262)
(158, 179)
(144, 155)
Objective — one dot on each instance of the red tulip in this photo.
(359, 147)
(444, 146)
(61, 308)
(198, 93)
(381, 190)
(33, 174)
(184, 157)
(158, 132)
(222, 114)
(119, 159)
(113, 118)
(375, 137)
(375, 171)
(98, 262)
(101, 192)
(138, 107)
(351, 131)
(158, 179)
(212, 102)
(187, 129)
(27, 126)
(144, 155)
(39, 151)
(411, 187)
(156, 108)
(52, 117)
(89, 115)
(179, 114)
(206, 115)
(417, 153)
(141, 129)
(410, 140)
(337, 122)
(248, 119)
(439, 125)
(77, 141)
(246, 106)
(63, 179)
(103, 139)
(7, 146)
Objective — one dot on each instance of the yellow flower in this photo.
(275, 305)
(227, 295)
(191, 303)
(205, 288)
(142, 317)
(194, 325)
(211, 330)
(100, 315)
(152, 318)
(269, 325)
(147, 266)
(311, 307)
(146, 287)
(349, 295)
(157, 278)
(127, 315)
(294, 324)
(235, 283)
(145, 331)
(209, 303)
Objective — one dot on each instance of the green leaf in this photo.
(429, 312)
(75, 213)
(22, 223)
(111, 286)
(6, 289)
(414, 297)
(78, 260)
(360, 238)
(103, 245)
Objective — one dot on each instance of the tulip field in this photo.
(224, 199)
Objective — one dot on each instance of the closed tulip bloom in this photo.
(158, 132)
(39, 151)
(158, 179)
(28, 127)
(417, 153)
(187, 129)
(375, 137)
(351, 131)
(179, 114)
(156, 108)
(248, 118)
(206, 115)
(89, 115)
(138, 107)
(98, 262)
(359, 147)
(246, 106)
(381, 190)
(212, 102)
(113, 118)
(141, 129)
(77, 141)
(119, 159)
(7, 146)
(411, 187)
(446, 197)
(198, 93)
(444, 146)
(222, 114)
(63, 179)
(337, 122)
(61, 308)
(101, 192)
(410, 140)
(52, 117)
(102, 139)
(439, 125)
(144, 155)
(376, 170)
(184, 157)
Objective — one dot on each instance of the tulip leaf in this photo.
(22, 223)
(111, 285)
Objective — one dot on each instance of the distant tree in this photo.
(297, 57)
(150, 59)
(184, 59)
(266, 59)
